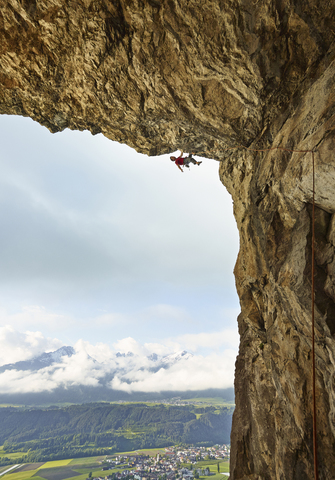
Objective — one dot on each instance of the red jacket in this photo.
(179, 161)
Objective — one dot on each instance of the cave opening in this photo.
(105, 248)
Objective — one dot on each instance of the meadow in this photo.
(79, 468)
(215, 401)
(224, 468)
(144, 451)
(10, 455)
(58, 470)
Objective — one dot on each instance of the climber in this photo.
(185, 162)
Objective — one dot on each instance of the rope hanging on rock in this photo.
(315, 452)
(316, 474)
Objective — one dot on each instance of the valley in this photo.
(177, 462)
(30, 435)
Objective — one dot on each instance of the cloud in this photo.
(129, 344)
(213, 340)
(14, 381)
(101, 352)
(91, 365)
(196, 373)
(75, 370)
(16, 346)
(98, 212)
(32, 316)
(165, 312)
(79, 369)
(102, 243)
(109, 319)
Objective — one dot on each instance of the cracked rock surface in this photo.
(209, 76)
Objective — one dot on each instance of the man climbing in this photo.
(185, 162)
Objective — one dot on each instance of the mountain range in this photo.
(49, 359)
(41, 361)
(93, 381)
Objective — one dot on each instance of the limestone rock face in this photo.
(209, 76)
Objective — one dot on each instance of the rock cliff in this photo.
(209, 76)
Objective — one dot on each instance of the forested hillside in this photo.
(94, 429)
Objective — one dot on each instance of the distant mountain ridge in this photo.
(176, 357)
(44, 360)
(47, 359)
(102, 391)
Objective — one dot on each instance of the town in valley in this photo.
(183, 463)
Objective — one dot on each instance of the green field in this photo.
(2, 469)
(49, 471)
(79, 468)
(87, 460)
(69, 469)
(145, 451)
(213, 467)
(24, 475)
(217, 476)
(224, 467)
(57, 472)
(57, 463)
(10, 455)
(221, 402)
(5, 405)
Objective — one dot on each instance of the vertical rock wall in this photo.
(272, 425)
(208, 76)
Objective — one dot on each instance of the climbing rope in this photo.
(315, 452)
(316, 474)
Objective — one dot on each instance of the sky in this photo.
(109, 250)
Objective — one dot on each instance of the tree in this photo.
(218, 467)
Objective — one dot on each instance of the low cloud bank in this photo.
(128, 366)
(195, 373)
(16, 346)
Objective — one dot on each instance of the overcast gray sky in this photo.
(109, 250)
